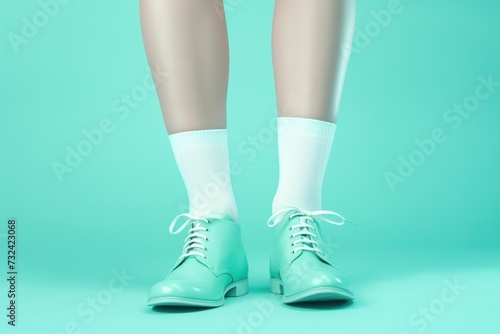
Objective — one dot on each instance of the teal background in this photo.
(113, 210)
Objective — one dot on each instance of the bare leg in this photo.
(188, 40)
(310, 55)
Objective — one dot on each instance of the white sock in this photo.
(203, 160)
(304, 147)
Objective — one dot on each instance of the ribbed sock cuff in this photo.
(308, 126)
(200, 138)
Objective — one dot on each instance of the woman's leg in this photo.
(310, 54)
(188, 40)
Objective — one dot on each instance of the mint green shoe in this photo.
(212, 265)
(301, 268)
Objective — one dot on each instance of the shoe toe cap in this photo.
(175, 288)
(208, 290)
(309, 273)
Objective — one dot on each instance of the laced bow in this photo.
(196, 235)
(305, 229)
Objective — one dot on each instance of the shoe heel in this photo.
(239, 288)
(276, 286)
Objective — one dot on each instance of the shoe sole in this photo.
(235, 289)
(311, 295)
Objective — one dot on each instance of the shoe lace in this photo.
(196, 235)
(305, 229)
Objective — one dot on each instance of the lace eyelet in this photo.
(291, 245)
(293, 252)
(207, 230)
(209, 221)
(206, 239)
(206, 248)
(290, 228)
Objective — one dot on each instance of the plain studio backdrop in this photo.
(87, 171)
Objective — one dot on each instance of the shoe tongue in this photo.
(193, 240)
(300, 219)
(306, 229)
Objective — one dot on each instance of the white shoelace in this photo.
(196, 234)
(304, 228)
